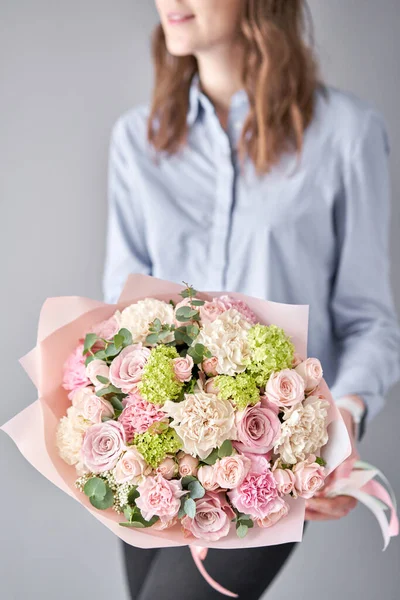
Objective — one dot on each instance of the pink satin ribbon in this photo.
(199, 555)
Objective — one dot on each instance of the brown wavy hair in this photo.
(279, 73)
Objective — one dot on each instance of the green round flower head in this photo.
(271, 350)
(241, 389)
(159, 382)
(154, 447)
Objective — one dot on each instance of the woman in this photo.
(248, 174)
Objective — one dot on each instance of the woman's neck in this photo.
(220, 76)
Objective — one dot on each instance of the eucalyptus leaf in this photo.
(196, 490)
(212, 458)
(187, 479)
(102, 379)
(126, 334)
(89, 342)
(136, 524)
(133, 495)
(152, 338)
(190, 507)
(241, 530)
(101, 355)
(116, 403)
(198, 302)
(103, 503)
(226, 449)
(118, 341)
(95, 487)
(89, 359)
(111, 350)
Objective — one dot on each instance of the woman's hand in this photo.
(320, 508)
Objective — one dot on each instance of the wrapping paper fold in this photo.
(62, 322)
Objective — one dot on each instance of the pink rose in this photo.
(138, 415)
(168, 468)
(211, 311)
(209, 366)
(265, 403)
(159, 497)
(279, 509)
(213, 517)
(285, 388)
(257, 494)
(258, 429)
(97, 367)
(231, 470)
(127, 368)
(206, 476)
(183, 367)
(285, 480)
(91, 407)
(106, 329)
(102, 446)
(130, 468)
(188, 465)
(246, 312)
(75, 376)
(210, 387)
(309, 477)
(311, 371)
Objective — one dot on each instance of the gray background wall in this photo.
(67, 70)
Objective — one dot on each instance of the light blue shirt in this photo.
(315, 233)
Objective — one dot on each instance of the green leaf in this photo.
(198, 302)
(181, 512)
(186, 313)
(101, 355)
(126, 334)
(212, 458)
(172, 303)
(186, 480)
(192, 331)
(95, 487)
(319, 460)
(116, 403)
(163, 334)
(118, 341)
(156, 325)
(137, 520)
(190, 507)
(189, 292)
(248, 522)
(89, 359)
(111, 350)
(196, 490)
(152, 338)
(137, 524)
(226, 449)
(104, 419)
(90, 340)
(104, 503)
(128, 512)
(133, 495)
(241, 530)
(111, 389)
(102, 379)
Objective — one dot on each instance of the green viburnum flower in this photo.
(159, 382)
(154, 447)
(241, 389)
(271, 350)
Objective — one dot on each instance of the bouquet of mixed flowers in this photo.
(193, 413)
(179, 418)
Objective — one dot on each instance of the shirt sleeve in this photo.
(362, 305)
(126, 250)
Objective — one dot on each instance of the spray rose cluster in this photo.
(193, 414)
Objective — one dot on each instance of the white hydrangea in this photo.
(137, 317)
(226, 339)
(304, 430)
(69, 438)
(202, 421)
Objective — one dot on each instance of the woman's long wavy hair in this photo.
(279, 74)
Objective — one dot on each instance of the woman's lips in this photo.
(178, 18)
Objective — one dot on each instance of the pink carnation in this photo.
(106, 329)
(159, 497)
(229, 302)
(138, 415)
(279, 509)
(257, 494)
(75, 376)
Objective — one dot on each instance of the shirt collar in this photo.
(198, 102)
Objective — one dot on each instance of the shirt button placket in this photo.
(222, 214)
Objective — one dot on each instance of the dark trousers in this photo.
(170, 573)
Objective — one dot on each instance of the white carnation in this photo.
(226, 339)
(202, 421)
(304, 430)
(69, 438)
(137, 318)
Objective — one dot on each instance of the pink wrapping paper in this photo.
(62, 322)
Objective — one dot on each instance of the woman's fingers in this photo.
(330, 508)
